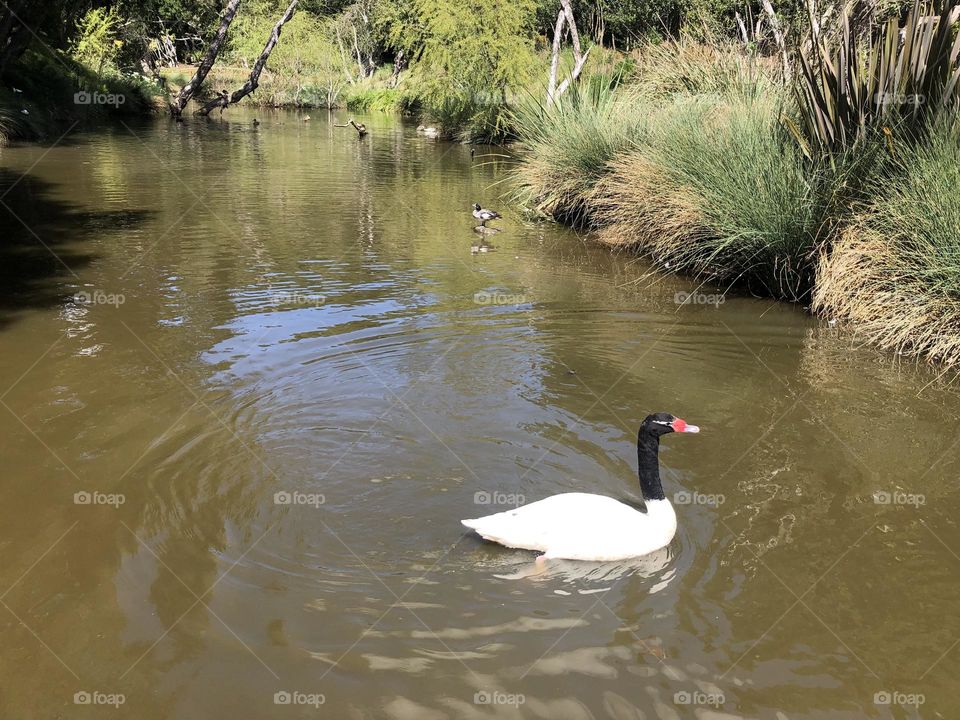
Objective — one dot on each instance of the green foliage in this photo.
(96, 44)
(470, 56)
(759, 212)
(373, 99)
(626, 23)
(48, 85)
(305, 68)
(919, 209)
(691, 165)
(861, 83)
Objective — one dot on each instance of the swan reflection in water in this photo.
(656, 565)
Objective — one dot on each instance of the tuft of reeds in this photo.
(895, 271)
(719, 191)
(904, 76)
(567, 147)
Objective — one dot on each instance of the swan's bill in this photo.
(679, 425)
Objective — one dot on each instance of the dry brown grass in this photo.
(894, 274)
(671, 69)
(638, 206)
(869, 282)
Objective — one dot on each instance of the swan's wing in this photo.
(570, 519)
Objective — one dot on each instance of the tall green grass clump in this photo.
(567, 148)
(720, 191)
(6, 124)
(895, 272)
(373, 99)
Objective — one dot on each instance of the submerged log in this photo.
(359, 127)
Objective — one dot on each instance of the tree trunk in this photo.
(398, 65)
(254, 80)
(743, 29)
(343, 55)
(187, 91)
(778, 37)
(555, 58)
(565, 17)
(356, 49)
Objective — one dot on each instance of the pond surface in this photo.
(253, 377)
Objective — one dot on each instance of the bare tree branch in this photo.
(187, 91)
(778, 37)
(254, 80)
(564, 18)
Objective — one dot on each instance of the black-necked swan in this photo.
(483, 214)
(583, 526)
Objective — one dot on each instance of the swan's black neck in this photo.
(648, 465)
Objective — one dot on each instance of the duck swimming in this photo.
(483, 215)
(583, 526)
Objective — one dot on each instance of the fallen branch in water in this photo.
(359, 127)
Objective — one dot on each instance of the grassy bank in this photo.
(696, 164)
(44, 94)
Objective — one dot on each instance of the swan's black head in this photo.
(662, 423)
(648, 445)
(476, 206)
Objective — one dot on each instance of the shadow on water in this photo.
(42, 243)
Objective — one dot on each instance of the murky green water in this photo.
(273, 364)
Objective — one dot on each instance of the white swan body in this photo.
(581, 526)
